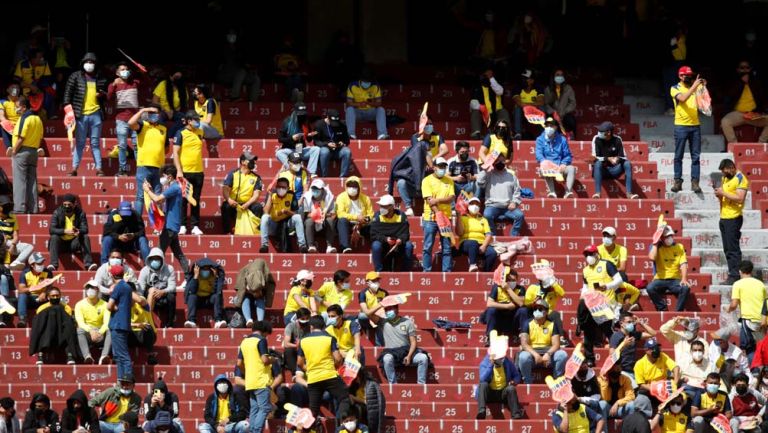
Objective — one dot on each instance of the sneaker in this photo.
(183, 230)
(568, 194)
(190, 324)
(100, 173)
(480, 415)
(105, 360)
(196, 231)
(40, 151)
(73, 173)
(595, 195)
(346, 250)
(39, 359)
(220, 324)
(122, 173)
(249, 324)
(352, 137)
(633, 197)
(92, 267)
(21, 323)
(312, 249)
(383, 137)
(263, 249)
(330, 250)
(17, 266)
(303, 249)
(551, 195)
(409, 212)
(71, 360)
(50, 268)
(473, 268)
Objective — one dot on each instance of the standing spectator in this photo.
(162, 400)
(30, 277)
(237, 69)
(629, 331)
(333, 142)
(78, 416)
(173, 199)
(560, 100)
(8, 112)
(150, 150)
(498, 139)
(295, 136)
(609, 159)
(125, 91)
(84, 97)
(398, 334)
(92, 317)
(616, 390)
(475, 237)
(34, 75)
(671, 274)
(529, 93)
(225, 409)
(709, 404)
(204, 288)
(40, 416)
(116, 404)
(241, 189)
(552, 146)
(390, 234)
(438, 192)
(69, 232)
(655, 365)
(463, 169)
(364, 102)
(744, 95)
(294, 332)
(732, 195)
(319, 200)
(281, 213)
(482, 97)
(432, 141)
(27, 135)
(408, 169)
(540, 344)
(124, 231)
(9, 423)
(501, 190)
(120, 305)
(603, 277)
(157, 283)
(9, 229)
(498, 380)
(209, 111)
(188, 160)
(748, 294)
(172, 96)
(354, 212)
(255, 287)
(53, 329)
(687, 126)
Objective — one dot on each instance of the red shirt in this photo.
(127, 97)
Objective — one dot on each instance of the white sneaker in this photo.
(347, 250)
(183, 230)
(105, 360)
(383, 137)
(220, 324)
(409, 212)
(190, 324)
(473, 268)
(330, 250)
(196, 231)
(312, 249)
(17, 266)
(351, 137)
(568, 194)
(249, 324)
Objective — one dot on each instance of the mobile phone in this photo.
(158, 392)
(596, 285)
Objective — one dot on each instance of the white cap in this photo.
(669, 231)
(473, 199)
(386, 200)
(610, 230)
(440, 160)
(91, 283)
(305, 275)
(318, 183)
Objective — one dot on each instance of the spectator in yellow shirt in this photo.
(173, 97)
(671, 276)
(438, 192)
(27, 135)
(150, 149)
(36, 79)
(364, 102)
(354, 211)
(654, 366)
(732, 195)
(8, 114)
(92, 319)
(475, 236)
(748, 293)
(687, 126)
(745, 94)
(336, 292)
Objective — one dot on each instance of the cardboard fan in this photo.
(533, 115)
(490, 159)
(599, 307)
(574, 362)
(37, 288)
(298, 417)
(550, 169)
(612, 359)
(423, 119)
(661, 225)
(561, 389)
(349, 369)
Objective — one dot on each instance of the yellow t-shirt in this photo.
(730, 209)
(751, 295)
(91, 101)
(372, 300)
(278, 204)
(529, 97)
(31, 132)
(122, 408)
(328, 293)
(191, 150)
(553, 296)
(618, 255)
(475, 228)
(498, 145)
(599, 274)
(708, 402)
(222, 409)
(89, 316)
(30, 280)
(746, 101)
(69, 224)
(202, 111)
(317, 349)
(434, 145)
(205, 285)
(647, 371)
(358, 94)
(291, 306)
(151, 145)
(687, 112)
(432, 187)
(681, 51)
(243, 186)
(8, 225)
(141, 316)
(344, 336)
(28, 74)
(675, 423)
(9, 107)
(499, 379)
(257, 374)
(163, 100)
(578, 421)
(668, 262)
(540, 336)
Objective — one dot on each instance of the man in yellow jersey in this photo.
(745, 95)
(346, 332)
(69, 232)
(319, 357)
(8, 114)
(254, 360)
(84, 97)
(336, 292)
(28, 279)
(150, 150)
(540, 344)
(27, 135)
(675, 417)
(654, 366)
(488, 93)
(438, 192)
(671, 272)
(687, 126)
(209, 111)
(115, 402)
(602, 276)
(188, 159)
(282, 208)
(749, 295)
(241, 189)
(225, 409)
(710, 404)
(613, 252)
(529, 93)
(576, 417)
(34, 75)
(732, 195)
(364, 102)
(498, 379)
(9, 228)
(92, 319)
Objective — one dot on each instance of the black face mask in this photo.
(688, 80)
(728, 175)
(301, 119)
(55, 301)
(741, 390)
(308, 284)
(656, 352)
(39, 412)
(7, 208)
(499, 166)
(503, 131)
(463, 156)
(68, 209)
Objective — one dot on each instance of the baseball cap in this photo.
(127, 377)
(90, 283)
(441, 161)
(386, 200)
(116, 271)
(651, 343)
(332, 114)
(295, 157)
(550, 121)
(541, 303)
(36, 257)
(372, 275)
(527, 73)
(669, 231)
(305, 275)
(605, 126)
(248, 156)
(474, 199)
(300, 108)
(318, 183)
(609, 231)
(125, 209)
(590, 249)
(685, 70)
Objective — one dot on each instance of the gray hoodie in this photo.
(105, 280)
(163, 278)
(501, 188)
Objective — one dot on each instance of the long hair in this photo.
(182, 89)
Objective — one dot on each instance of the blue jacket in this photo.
(555, 150)
(238, 404)
(486, 370)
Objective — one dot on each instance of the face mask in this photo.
(697, 355)
(115, 261)
(352, 192)
(463, 156)
(55, 301)
(222, 388)
(391, 314)
(282, 192)
(429, 129)
(591, 260)
(728, 175)
(14, 91)
(124, 74)
(153, 118)
(549, 131)
(712, 388)
(231, 38)
(440, 172)
(205, 273)
(126, 391)
(374, 286)
(38, 268)
(295, 168)
(331, 321)
(741, 390)
(68, 209)
(656, 352)
(303, 322)
(350, 426)
(538, 314)
(316, 193)
(155, 264)
(89, 67)
(559, 79)
(345, 286)
(600, 134)
(91, 293)
(164, 181)
(474, 209)
(669, 241)
(687, 80)
(630, 328)
(499, 166)
(195, 124)
(39, 412)
(607, 242)
(365, 84)
(676, 408)
(503, 131)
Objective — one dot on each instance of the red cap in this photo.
(590, 249)
(116, 270)
(685, 70)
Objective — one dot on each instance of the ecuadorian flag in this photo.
(154, 213)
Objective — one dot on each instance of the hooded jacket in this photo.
(32, 423)
(109, 401)
(86, 417)
(74, 91)
(12, 424)
(327, 202)
(163, 278)
(555, 150)
(327, 133)
(291, 125)
(170, 402)
(53, 328)
(411, 166)
(238, 404)
(218, 275)
(57, 221)
(344, 202)
(255, 280)
(486, 370)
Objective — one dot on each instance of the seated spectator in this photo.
(30, 296)
(721, 350)
(241, 190)
(333, 142)
(288, 64)
(9, 228)
(295, 136)
(560, 101)
(209, 111)
(9, 423)
(172, 96)
(408, 169)
(319, 200)
(552, 146)
(350, 424)
(748, 406)
(616, 390)
(503, 304)
(92, 317)
(580, 418)
(346, 332)
(675, 417)
(53, 329)
(609, 159)
(69, 232)
(335, 292)
(551, 292)
(124, 231)
(498, 380)
(281, 214)
(432, 141)
(695, 373)
(115, 402)
(39, 417)
(298, 177)
(744, 95)
(78, 417)
(501, 190)
(629, 329)
(540, 344)
(354, 212)
(300, 296)
(529, 93)
(463, 169)
(399, 337)
(671, 276)
(8, 114)
(225, 409)
(294, 332)
(709, 404)
(364, 102)
(162, 400)
(255, 288)
(144, 333)
(161, 424)
(475, 237)
(34, 75)
(587, 390)
(390, 234)
(682, 340)
(482, 97)
(498, 139)
(369, 299)
(612, 252)
(130, 423)
(655, 365)
(204, 289)
(236, 68)
(157, 283)
(438, 192)
(188, 161)
(104, 279)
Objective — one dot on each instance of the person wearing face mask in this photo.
(69, 233)
(438, 192)
(40, 418)
(354, 212)
(560, 99)
(709, 404)
(655, 365)
(399, 337)
(616, 390)
(281, 214)
(120, 304)
(9, 229)
(172, 95)
(157, 283)
(609, 160)
(749, 295)
(160, 400)
(333, 142)
(350, 424)
(390, 237)
(540, 344)
(613, 252)
(150, 149)
(92, 319)
(432, 141)
(319, 200)
(552, 146)
(209, 110)
(301, 295)
(241, 189)
(497, 140)
(106, 283)
(504, 306)
(188, 160)
(486, 101)
(84, 97)
(475, 237)
(731, 195)
(634, 332)
(671, 265)
(204, 288)
(30, 277)
(587, 390)
(226, 410)
(364, 103)
(294, 332)
(722, 351)
(528, 93)
(576, 417)
(694, 372)
(336, 292)
(463, 169)
(77, 417)
(550, 291)
(173, 198)
(8, 114)
(143, 331)
(369, 300)
(295, 136)
(9, 423)
(53, 329)
(687, 127)
(115, 403)
(25, 143)
(125, 91)
(408, 170)
(682, 340)
(498, 380)
(236, 68)
(744, 95)
(34, 75)
(298, 177)
(346, 332)
(255, 288)
(674, 417)
(124, 230)
(501, 190)
(748, 407)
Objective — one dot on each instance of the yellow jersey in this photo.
(91, 104)
(150, 146)
(243, 185)
(752, 296)
(540, 336)
(552, 296)
(330, 294)
(28, 74)
(291, 306)
(601, 273)
(647, 371)
(578, 420)
(668, 262)
(222, 409)
(497, 144)
(211, 106)
(163, 99)
(317, 349)
(686, 112)
(9, 108)
(190, 144)
(476, 228)
(257, 374)
(618, 255)
(345, 336)
(434, 187)
(499, 378)
(730, 209)
(278, 204)
(30, 129)
(356, 93)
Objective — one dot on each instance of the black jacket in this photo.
(88, 418)
(238, 404)
(170, 402)
(603, 148)
(380, 231)
(733, 93)
(57, 221)
(410, 165)
(53, 328)
(291, 125)
(327, 133)
(32, 423)
(117, 225)
(74, 92)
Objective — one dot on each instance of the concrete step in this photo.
(644, 104)
(710, 238)
(666, 143)
(688, 200)
(715, 257)
(638, 86)
(719, 275)
(709, 162)
(659, 124)
(710, 219)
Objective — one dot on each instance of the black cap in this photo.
(300, 108)
(128, 377)
(295, 157)
(191, 115)
(7, 403)
(248, 156)
(332, 114)
(68, 197)
(605, 126)
(551, 121)
(89, 57)
(130, 418)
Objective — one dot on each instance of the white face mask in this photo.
(89, 67)
(474, 209)
(676, 408)
(374, 285)
(607, 242)
(38, 268)
(126, 391)
(115, 261)
(669, 241)
(549, 131)
(697, 355)
(352, 192)
(538, 314)
(350, 426)
(559, 79)
(222, 388)
(91, 293)
(591, 260)
(164, 181)
(282, 192)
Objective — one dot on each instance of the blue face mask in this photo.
(155, 264)
(629, 327)
(429, 129)
(712, 388)
(600, 134)
(440, 172)
(317, 193)
(195, 124)
(205, 273)
(331, 321)
(549, 131)
(391, 314)
(153, 118)
(365, 84)
(559, 79)
(124, 74)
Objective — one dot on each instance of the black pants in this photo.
(196, 180)
(593, 333)
(229, 213)
(214, 301)
(507, 395)
(167, 302)
(730, 231)
(335, 387)
(169, 238)
(296, 394)
(290, 355)
(80, 243)
(145, 338)
(329, 229)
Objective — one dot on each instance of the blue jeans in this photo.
(249, 304)
(270, 227)
(420, 360)
(525, 362)
(472, 249)
(692, 135)
(151, 175)
(88, 126)
(657, 288)
(310, 155)
(602, 407)
(406, 192)
(498, 214)
(231, 427)
(108, 243)
(614, 172)
(120, 352)
(339, 154)
(213, 300)
(111, 427)
(25, 302)
(260, 409)
(430, 232)
(123, 131)
(377, 114)
(5, 288)
(380, 249)
(7, 138)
